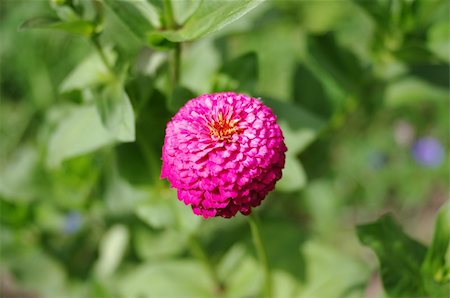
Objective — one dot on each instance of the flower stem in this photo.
(168, 14)
(176, 64)
(175, 60)
(256, 235)
(102, 54)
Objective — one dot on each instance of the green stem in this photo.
(168, 13)
(175, 60)
(176, 64)
(257, 241)
(102, 54)
(199, 253)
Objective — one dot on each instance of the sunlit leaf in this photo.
(88, 73)
(19, 178)
(331, 272)
(158, 245)
(182, 10)
(294, 176)
(439, 40)
(139, 16)
(210, 16)
(112, 249)
(173, 278)
(117, 113)
(80, 132)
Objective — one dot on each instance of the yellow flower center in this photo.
(223, 128)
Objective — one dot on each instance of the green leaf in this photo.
(67, 189)
(239, 74)
(323, 206)
(174, 278)
(338, 68)
(436, 267)
(121, 197)
(158, 245)
(80, 27)
(89, 73)
(164, 210)
(320, 16)
(200, 63)
(38, 22)
(240, 272)
(331, 272)
(299, 127)
(182, 10)
(400, 257)
(309, 92)
(52, 283)
(439, 40)
(412, 90)
(117, 113)
(139, 16)
(20, 177)
(79, 132)
(157, 213)
(209, 17)
(378, 10)
(112, 249)
(153, 116)
(294, 176)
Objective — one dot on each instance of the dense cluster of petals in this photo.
(223, 153)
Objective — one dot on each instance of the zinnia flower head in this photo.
(223, 152)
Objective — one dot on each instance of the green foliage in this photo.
(399, 255)
(138, 16)
(84, 105)
(407, 267)
(436, 266)
(209, 17)
(80, 27)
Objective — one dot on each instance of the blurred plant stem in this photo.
(198, 252)
(176, 64)
(176, 55)
(257, 241)
(101, 53)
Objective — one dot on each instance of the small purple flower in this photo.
(428, 152)
(72, 222)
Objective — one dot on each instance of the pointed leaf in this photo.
(88, 73)
(80, 132)
(117, 113)
(112, 249)
(139, 16)
(436, 267)
(239, 74)
(209, 17)
(80, 27)
(400, 257)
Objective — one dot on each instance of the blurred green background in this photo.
(360, 88)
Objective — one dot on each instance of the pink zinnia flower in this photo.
(223, 152)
